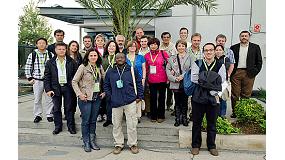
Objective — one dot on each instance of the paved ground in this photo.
(77, 153)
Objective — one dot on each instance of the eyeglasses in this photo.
(207, 50)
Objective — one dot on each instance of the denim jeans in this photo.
(223, 107)
(89, 113)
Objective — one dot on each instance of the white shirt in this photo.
(170, 49)
(242, 56)
(61, 70)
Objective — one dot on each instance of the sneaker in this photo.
(37, 119)
(160, 120)
(214, 152)
(195, 151)
(134, 149)
(104, 116)
(99, 118)
(153, 120)
(117, 150)
(107, 123)
(49, 119)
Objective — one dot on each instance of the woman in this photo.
(137, 61)
(87, 84)
(220, 56)
(177, 66)
(73, 52)
(156, 61)
(210, 74)
(108, 62)
(99, 43)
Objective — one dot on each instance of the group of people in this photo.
(115, 78)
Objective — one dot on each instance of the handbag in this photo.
(140, 105)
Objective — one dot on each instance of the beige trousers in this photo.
(131, 120)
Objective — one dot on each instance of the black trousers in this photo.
(169, 99)
(198, 111)
(181, 105)
(157, 111)
(68, 100)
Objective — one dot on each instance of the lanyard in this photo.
(206, 66)
(120, 75)
(153, 60)
(41, 60)
(95, 74)
(111, 63)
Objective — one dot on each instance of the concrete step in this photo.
(45, 136)
(142, 128)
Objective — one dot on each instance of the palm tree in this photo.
(127, 14)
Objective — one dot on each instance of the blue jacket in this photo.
(125, 95)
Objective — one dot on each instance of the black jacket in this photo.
(51, 74)
(253, 60)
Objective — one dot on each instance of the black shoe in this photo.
(233, 116)
(87, 147)
(107, 123)
(37, 119)
(49, 119)
(190, 117)
(56, 131)
(93, 143)
(72, 130)
(176, 124)
(173, 113)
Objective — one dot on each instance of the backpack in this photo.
(34, 54)
(189, 86)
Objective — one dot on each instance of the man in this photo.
(183, 34)
(144, 49)
(221, 40)
(169, 47)
(204, 99)
(87, 42)
(249, 63)
(139, 34)
(59, 36)
(194, 50)
(34, 71)
(121, 40)
(119, 85)
(59, 72)
(195, 54)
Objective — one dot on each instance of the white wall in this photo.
(230, 18)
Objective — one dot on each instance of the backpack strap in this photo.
(33, 60)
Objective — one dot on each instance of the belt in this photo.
(242, 68)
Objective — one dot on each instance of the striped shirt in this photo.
(39, 64)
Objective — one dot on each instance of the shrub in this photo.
(248, 110)
(262, 125)
(223, 126)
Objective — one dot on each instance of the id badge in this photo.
(152, 69)
(96, 87)
(62, 79)
(119, 83)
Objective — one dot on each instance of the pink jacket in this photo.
(160, 75)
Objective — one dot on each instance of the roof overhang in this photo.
(78, 15)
